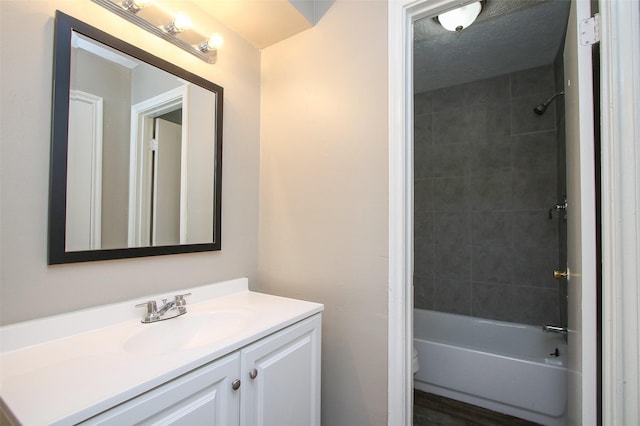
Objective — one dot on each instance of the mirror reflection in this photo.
(142, 145)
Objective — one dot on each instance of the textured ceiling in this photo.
(509, 35)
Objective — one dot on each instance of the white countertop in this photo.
(66, 368)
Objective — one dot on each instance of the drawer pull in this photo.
(235, 385)
(253, 373)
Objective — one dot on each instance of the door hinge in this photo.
(153, 145)
(590, 30)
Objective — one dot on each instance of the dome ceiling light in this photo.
(460, 18)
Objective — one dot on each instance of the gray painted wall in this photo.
(486, 174)
(324, 197)
(149, 82)
(31, 289)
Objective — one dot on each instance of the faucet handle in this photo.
(151, 307)
(181, 303)
(180, 298)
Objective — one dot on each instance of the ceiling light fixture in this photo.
(460, 18)
(175, 32)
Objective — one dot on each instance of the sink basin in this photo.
(188, 331)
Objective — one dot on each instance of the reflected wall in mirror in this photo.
(136, 159)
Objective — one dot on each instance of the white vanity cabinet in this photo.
(281, 378)
(274, 381)
(237, 358)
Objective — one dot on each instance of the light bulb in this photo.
(460, 18)
(215, 41)
(142, 3)
(181, 22)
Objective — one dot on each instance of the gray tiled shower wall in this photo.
(486, 173)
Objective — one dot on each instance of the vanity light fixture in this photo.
(178, 28)
(460, 18)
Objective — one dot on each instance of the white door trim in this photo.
(620, 85)
(142, 115)
(400, 331)
(582, 405)
(401, 14)
(96, 104)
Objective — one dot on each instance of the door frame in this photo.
(579, 64)
(620, 168)
(620, 175)
(142, 127)
(401, 15)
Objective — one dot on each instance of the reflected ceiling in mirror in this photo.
(136, 152)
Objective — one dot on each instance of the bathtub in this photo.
(505, 367)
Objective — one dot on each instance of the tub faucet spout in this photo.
(555, 329)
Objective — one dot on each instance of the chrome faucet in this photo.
(555, 329)
(172, 309)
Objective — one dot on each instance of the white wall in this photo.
(28, 287)
(324, 197)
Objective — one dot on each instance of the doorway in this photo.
(402, 17)
(157, 170)
(166, 160)
(489, 228)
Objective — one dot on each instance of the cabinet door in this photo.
(281, 377)
(201, 397)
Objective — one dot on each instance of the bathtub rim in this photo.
(560, 361)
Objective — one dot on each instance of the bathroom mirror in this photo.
(136, 154)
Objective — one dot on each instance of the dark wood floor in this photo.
(435, 410)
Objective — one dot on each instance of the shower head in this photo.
(540, 109)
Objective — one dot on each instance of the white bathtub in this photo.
(502, 366)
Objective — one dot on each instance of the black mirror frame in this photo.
(57, 254)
